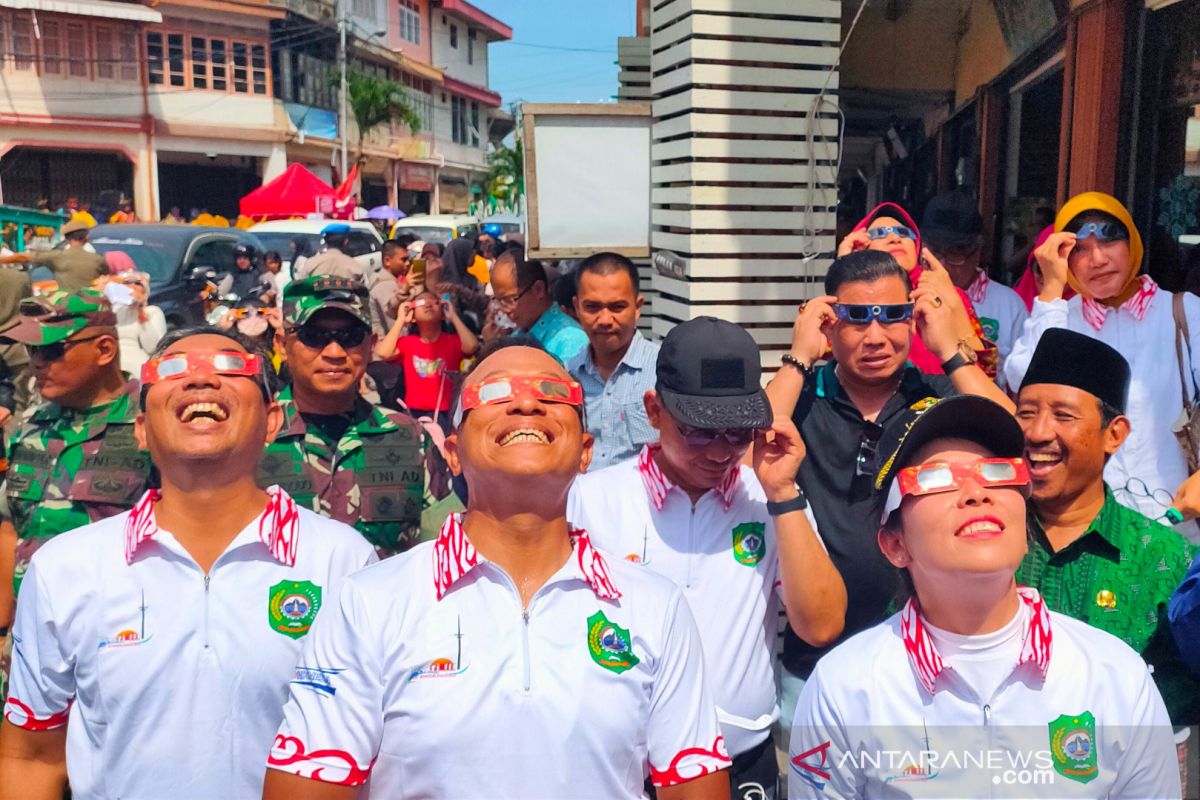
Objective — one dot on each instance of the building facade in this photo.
(193, 103)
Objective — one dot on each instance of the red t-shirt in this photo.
(425, 368)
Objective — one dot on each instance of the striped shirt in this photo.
(616, 416)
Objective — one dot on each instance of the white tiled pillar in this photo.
(733, 84)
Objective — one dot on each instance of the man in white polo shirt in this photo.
(507, 658)
(153, 649)
(687, 509)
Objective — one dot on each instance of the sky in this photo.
(562, 51)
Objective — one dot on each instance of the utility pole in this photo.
(343, 93)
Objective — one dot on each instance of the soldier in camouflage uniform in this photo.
(74, 459)
(337, 454)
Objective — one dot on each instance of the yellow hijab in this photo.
(1099, 201)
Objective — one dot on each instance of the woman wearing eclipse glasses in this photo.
(1096, 250)
(890, 229)
(974, 685)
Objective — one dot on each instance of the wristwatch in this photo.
(965, 356)
(797, 503)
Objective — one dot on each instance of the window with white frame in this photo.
(410, 21)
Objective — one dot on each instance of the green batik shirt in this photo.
(372, 479)
(68, 468)
(1118, 576)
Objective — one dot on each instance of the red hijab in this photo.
(918, 353)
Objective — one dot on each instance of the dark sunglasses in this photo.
(865, 315)
(703, 437)
(319, 338)
(53, 352)
(867, 461)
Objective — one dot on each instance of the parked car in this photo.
(176, 257)
(365, 241)
(508, 223)
(438, 228)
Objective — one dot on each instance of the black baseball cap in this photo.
(952, 220)
(710, 376)
(965, 416)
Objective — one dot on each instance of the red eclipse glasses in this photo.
(944, 477)
(503, 390)
(180, 365)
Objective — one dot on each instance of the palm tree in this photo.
(374, 101)
(506, 172)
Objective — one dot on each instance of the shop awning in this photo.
(88, 8)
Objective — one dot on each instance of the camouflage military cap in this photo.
(305, 297)
(54, 317)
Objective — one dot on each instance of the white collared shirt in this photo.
(428, 678)
(1078, 716)
(721, 553)
(1001, 313)
(173, 680)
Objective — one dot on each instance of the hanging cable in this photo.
(810, 249)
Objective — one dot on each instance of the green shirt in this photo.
(1118, 576)
(372, 477)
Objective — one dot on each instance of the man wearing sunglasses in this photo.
(733, 539)
(1091, 557)
(176, 625)
(338, 454)
(509, 657)
(74, 459)
(843, 408)
(953, 231)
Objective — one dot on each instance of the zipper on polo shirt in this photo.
(207, 578)
(987, 714)
(691, 549)
(525, 646)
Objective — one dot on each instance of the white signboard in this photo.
(587, 179)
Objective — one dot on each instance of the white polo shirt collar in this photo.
(928, 663)
(658, 485)
(278, 525)
(454, 556)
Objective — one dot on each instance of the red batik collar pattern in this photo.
(658, 486)
(455, 556)
(978, 289)
(278, 525)
(927, 662)
(1095, 312)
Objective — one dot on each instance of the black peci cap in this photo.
(1068, 358)
(952, 220)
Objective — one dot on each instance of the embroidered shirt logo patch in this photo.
(749, 543)
(1073, 746)
(292, 607)
(610, 645)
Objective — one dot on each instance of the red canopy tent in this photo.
(295, 193)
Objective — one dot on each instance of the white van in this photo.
(365, 242)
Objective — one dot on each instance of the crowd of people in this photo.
(457, 528)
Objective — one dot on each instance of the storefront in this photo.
(52, 174)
